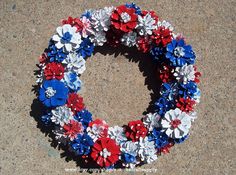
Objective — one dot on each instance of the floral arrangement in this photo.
(140, 141)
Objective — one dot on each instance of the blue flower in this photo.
(53, 93)
(162, 106)
(137, 9)
(55, 54)
(84, 116)
(181, 140)
(86, 48)
(128, 158)
(188, 90)
(72, 80)
(160, 139)
(87, 14)
(169, 90)
(179, 53)
(157, 52)
(82, 144)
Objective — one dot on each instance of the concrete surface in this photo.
(114, 85)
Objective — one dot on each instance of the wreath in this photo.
(93, 140)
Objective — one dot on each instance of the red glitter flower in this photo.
(105, 152)
(135, 130)
(124, 18)
(75, 102)
(113, 37)
(185, 105)
(54, 71)
(100, 127)
(144, 44)
(165, 73)
(72, 129)
(162, 36)
(197, 75)
(74, 22)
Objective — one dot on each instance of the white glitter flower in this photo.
(100, 19)
(176, 124)
(129, 39)
(130, 148)
(151, 121)
(185, 73)
(146, 24)
(147, 150)
(61, 115)
(98, 38)
(117, 133)
(67, 38)
(75, 63)
(165, 24)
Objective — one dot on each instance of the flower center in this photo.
(175, 123)
(66, 38)
(179, 52)
(105, 153)
(125, 17)
(50, 92)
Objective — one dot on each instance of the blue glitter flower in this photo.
(160, 139)
(157, 52)
(162, 105)
(53, 93)
(188, 90)
(82, 144)
(87, 14)
(179, 54)
(169, 90)
(86, 48)
(55, 54)
(128, 158)
(137, 9)
(84, 116)
(72, 80)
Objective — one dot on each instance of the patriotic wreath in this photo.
(140, 141)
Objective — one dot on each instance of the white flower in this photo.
(67, 37)
(130, 148)
(61, 115)
(98, 38)
(97, 130)
(176, 124)
(117, 133)
(100, 19)
(146, 24)
(185, 73)
(72, 81)
(165, 24)
(75, 63)
(147, 150)
(151, 121)
(129, 39)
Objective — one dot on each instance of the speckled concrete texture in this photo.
(117, 88)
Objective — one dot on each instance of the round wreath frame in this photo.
(141, 141)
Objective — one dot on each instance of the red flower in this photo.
(135, 130)
(162, 36)
(197, 75)
(43, 58)
(144, 44)
(74, 22)
(72, 129)
(185, 105)
(54, 71)
(152, 13)
(100, 127)
(124, 18)
(166, 148)
(105, 152)
(75, 102)
(165, 73)
(113, 37)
